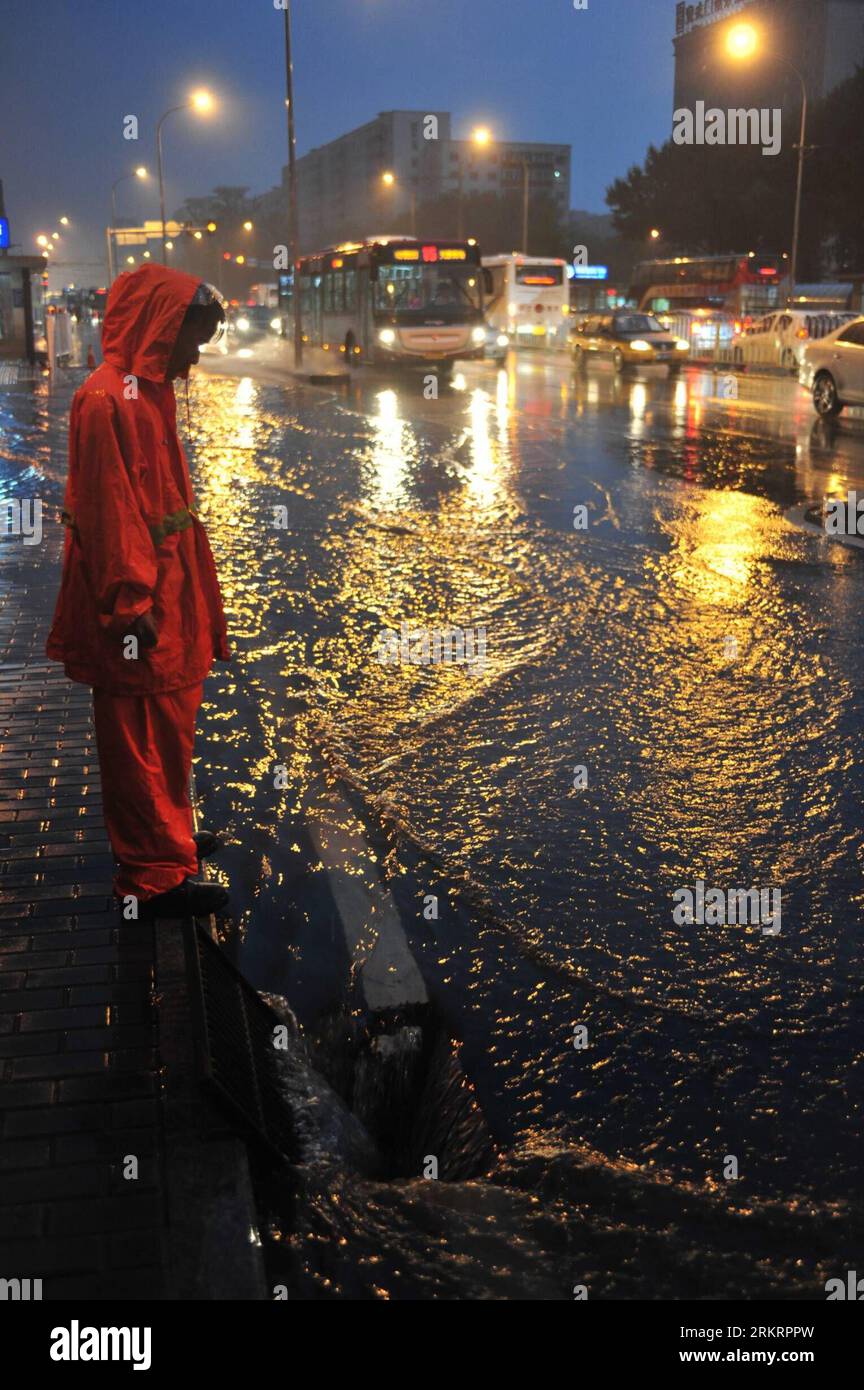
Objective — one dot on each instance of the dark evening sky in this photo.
(600, 79)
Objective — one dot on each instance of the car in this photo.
(832, 369)
(779, 339)
(628, 337)
(497, 344)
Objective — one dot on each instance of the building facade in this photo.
(343, 195)
(823, 39)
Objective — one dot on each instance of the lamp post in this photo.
(293, 213)
(139, 173)
(742, 42)
(481, 136)
(199, 101)
(388, 179)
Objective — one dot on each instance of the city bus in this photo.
(399, 300)
(708, 299)
(528, 298)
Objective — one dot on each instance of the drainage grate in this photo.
(239, 1060)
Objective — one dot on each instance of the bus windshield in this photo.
(445, 293)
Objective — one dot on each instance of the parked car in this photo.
(628, 337)
(778, 339)
(832, 369)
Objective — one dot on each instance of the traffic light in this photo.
(211, 227)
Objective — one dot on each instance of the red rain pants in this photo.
(145, 757)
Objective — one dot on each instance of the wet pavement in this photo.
(690, 652)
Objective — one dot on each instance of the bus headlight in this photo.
(478, 334)
(640, 345)
(682, 345)
(387, 337)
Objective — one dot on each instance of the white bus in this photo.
(391, 300)
(528, 298)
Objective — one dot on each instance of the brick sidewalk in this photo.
(98, 1058)
(78, 1064)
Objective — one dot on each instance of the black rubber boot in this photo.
(195, 897)
(207, 842)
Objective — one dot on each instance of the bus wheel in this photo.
(825, 400)
(350, 355)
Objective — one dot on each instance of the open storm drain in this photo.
(236, 1042)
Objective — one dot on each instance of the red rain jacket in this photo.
(133, 543)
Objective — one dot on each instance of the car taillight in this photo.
(802, 333)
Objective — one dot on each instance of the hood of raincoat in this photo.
(142, 319)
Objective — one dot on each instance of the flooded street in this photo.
(669, 692)
(606, 648)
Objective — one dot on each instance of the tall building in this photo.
(342, 193)
(823, 39)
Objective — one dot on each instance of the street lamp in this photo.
(388, 178)
(742, 43)
(200, 101)
(654, 234)
(293, 213)
(139, 173)
(481, 136)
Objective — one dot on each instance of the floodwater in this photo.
(669, 693)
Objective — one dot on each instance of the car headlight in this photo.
(243, 325)
(682, 345)
(502, 340)
(478, 334)
(276, 325)
(387, 337)
(640, 345)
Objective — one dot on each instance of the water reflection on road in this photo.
(697, 655)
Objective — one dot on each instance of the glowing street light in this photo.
(654, 234)
(742, 43)
(64, 221)
(742, 40)
(200, 101)
(388, 178)
(247, 226)
(138, 173)
(42, 240)
(481, 135)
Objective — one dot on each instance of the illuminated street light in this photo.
(197, 235)
(42, 240)
(169, 246)
(64, 221)
(654, 234)
(55, 236)
(247, 226)
(130, 260)
(742, 43)
(388, 178)
(481, 135)
(200, 101)
(742, 40)
(138, 173)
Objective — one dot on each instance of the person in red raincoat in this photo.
(139, 616)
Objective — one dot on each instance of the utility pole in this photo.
(293, 218)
